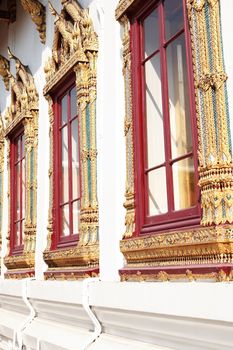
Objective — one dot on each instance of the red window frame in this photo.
(58, 240)
(15, 160)
(173, 218)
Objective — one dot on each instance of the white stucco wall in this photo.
(111, 143)
(134, 316)
(3, 51)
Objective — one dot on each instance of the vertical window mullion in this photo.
(15, 192)
(191, 94)
(141, 34)
(70, 166)
(57, 144)
(165, 99)
(79, 158)
(20, 191)
(23, 190)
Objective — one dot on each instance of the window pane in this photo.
(18, 150)
(174, 20)
(22, 236)
(151, 33)
(73, 102)
(75, 159)
(17, 168)
(23, 142)
(76, 216)
(183, 182)
(23, 188)
(64, 110)
(65, 220)
(181, 136)
(17, 234)
(157, 192)
(154, 113)
(65, 168)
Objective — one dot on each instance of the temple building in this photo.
(116, 174)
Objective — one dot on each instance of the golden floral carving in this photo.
(37, 12)
(189, 276)
(129, 192)
(23, 89)
(78, 256)
(73, 41)
(198, 246)
(213, 80)
(18, 274)
(4, 71)
(122, 7)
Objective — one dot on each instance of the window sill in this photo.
(73, 262)
(188, 222)
(195, 253)
(20, 266)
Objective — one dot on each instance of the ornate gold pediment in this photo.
(23, 91)
(74, 36)
(122, 7)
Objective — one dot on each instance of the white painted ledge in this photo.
(182, 316)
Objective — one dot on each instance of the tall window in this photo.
(17, 156)
(164, 117)
(67, 169)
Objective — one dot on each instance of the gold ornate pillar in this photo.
(50, 174)
(93, 213)
(31, 130)
(4, 70)
(128, 127)
(215, 151)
